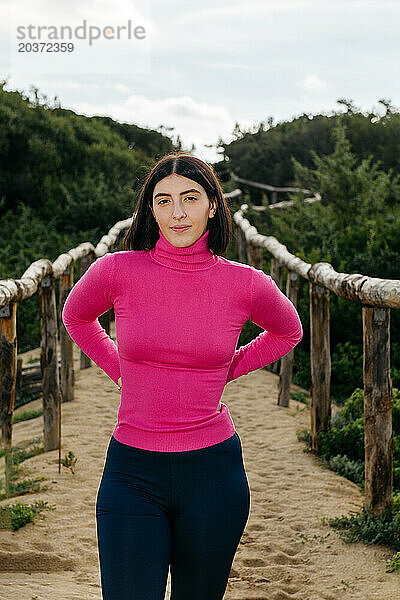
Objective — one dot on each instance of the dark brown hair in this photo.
(143, 232)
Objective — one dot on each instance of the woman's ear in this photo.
(213, 207)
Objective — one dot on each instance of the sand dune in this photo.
(285, 552)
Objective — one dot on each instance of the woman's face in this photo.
(179, 201)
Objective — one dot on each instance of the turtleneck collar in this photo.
(196, 257)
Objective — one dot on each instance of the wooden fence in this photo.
(274, 191)
(57, 383)
(376, 297)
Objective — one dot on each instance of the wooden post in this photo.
(242, 246)
(277, 276)
(105, 320)
(49, 362)
(320, 362)
(378, 433)
(256, 256)
(236, 233)
(8, 372)
(84, 263)
(276, 272)
(66, 343)
(285, 375)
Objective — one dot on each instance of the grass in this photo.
(18, 483)
(26, 415)
(362, 526)
(368, 528)
(14, 516)
(300, 397)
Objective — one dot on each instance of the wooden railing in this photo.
(274, 190)
(376, 297)
(41, 277)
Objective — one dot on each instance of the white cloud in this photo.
(197, 123)
(91, 85)
(262, 7)
(253, 59)
(68, 11)
(102, 37)
(312, 83)
(237, 66)
(77, 85)
(121, 87)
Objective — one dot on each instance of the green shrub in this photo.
(349, 441)
(396, 411)
(369, 529)
(21, 514)
(353, 408)
(351, 469)
(69, 461)
(304, 435)
(300, 397)
(393, 564)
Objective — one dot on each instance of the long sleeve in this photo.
(91, 296)
(272, 310)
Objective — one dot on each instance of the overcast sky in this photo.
(200, 67)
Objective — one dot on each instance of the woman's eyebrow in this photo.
(185, 192)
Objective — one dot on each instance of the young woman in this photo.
(174, 491)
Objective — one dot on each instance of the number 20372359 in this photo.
(45, 47)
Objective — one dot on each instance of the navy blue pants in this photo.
(184, 511)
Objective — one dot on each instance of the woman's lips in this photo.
(179, 229)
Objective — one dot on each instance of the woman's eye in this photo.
(187, 198)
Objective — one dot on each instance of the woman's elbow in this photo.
(299, 335)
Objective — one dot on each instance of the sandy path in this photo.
(285, 552)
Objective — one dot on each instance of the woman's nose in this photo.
(178, 211)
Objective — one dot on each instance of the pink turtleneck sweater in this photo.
(178, 316)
